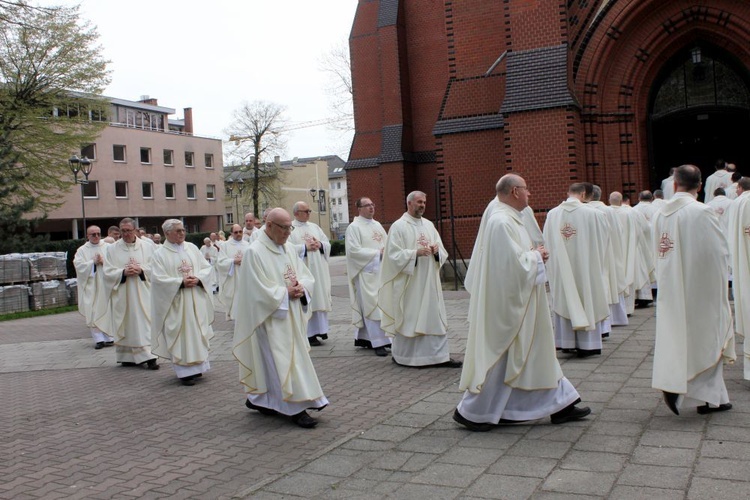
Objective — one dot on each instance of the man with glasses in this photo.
(127, 270)
(228, 263)
(92, 299)
(181, 306)
(365, 241)
(314, 249)
(411, 295)
(270, 340)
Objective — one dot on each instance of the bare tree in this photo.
(337, 66)
(258, 134)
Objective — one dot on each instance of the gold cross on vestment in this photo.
(185, 268)
(290, 275)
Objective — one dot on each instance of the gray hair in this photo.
(169, 224)
(414, 194)
(127, 220)
(597, 193)
(296, 206)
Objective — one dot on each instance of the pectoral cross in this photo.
(289, 275)
(185, 268)
(423, 241)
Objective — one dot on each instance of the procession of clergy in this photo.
(601, 261)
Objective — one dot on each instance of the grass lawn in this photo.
(42, 312)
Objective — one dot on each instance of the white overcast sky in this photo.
(213, 55)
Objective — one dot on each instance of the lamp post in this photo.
(321, 194)
(239, 185)
(84, 166)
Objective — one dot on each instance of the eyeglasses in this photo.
(95, 234)
(236, 232)
(521, 187)
(127, 231)
(368, 205)
(305, 211)
(284, 228)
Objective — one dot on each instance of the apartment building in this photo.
(148, 167)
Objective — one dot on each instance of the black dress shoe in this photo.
(472, 426)
(380, 351)
(451, 363)
(363, 343)
(109, 343)
(189, 381)
(605, 335)
(585, 353)
(324, 336)
(567, 351)
(151, 365)
(99, 345)
(569, 414)
(314, 341)
(671, 399)
(261, 409)
(127, 363)
(705, 409)
(304, 420)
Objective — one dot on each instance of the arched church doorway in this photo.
(699, 111)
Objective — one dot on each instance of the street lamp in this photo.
(321, 194)
(84, 166)
(239, 185)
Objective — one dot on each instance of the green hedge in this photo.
(338, 248)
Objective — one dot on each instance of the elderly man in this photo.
(270, 340)
(511, 372)
(738, 222)
(365, 241)
(249, 228)
(694, 331)
(578, 239)
(228, 264)
(210, 252)
(127, 271)
(314, 249)
(92, 298)
(181, 307)
(410, 295)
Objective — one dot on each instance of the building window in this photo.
(335, 217)
(338, 185)
(230, 218)
(146, 155)
(191, 191)
(168, 157)
(118, 153)
(189, 158)
(148, 190)
(89, 151)
(211, 191)
(121, 189)
(339, 201)
(209, 160)
(169, 191)
(91, 190)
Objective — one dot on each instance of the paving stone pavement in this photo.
(75, 425)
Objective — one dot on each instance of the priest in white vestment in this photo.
(127, 272)
(631, 231)
(249, 229)
(731, 190)
(615, 276)
(720, 203)
(181, 304)
(694, 333)
(667, 185)
(510, 371)
(92, 296)
(645, 273)
(722, 178)
(228, 264)
(645, 205)
(314, 249)
(577, 238)
(738, 232)
(270, 330)
(410, 295)
(210, 252)
(365, 242)
(658, 201)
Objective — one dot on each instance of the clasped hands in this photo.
(190, 281)
(543, 252)
(133, 270)
(430, 250)
(296, 291)
(313, 245)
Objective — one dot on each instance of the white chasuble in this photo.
(738, 231)
(92, 295)
(577, 240)
(365, 238)
(615, 275)
(129, 313)
(181, 317)
(693, 320)
(316, 261)
(644, 260)
(263, 304)
(228, 272)
(719, 179)
(629, 241)
(508, 317)
(410, 295)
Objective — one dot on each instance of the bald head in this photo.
(615, 198)
(512, 190)
(279, 225)
(237, 232)
(687, 179)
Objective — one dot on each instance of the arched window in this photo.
(700, 80)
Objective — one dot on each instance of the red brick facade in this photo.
(555, 90)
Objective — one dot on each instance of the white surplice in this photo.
(693, 321)
(92, 294)
(128, 317)
(181, 317)
(411, 296)
(365, 239)
(738, 232)
(719, 179)
(270, 331)
(228, 272)
(667, 187)
(317, 262)
(577, 238)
